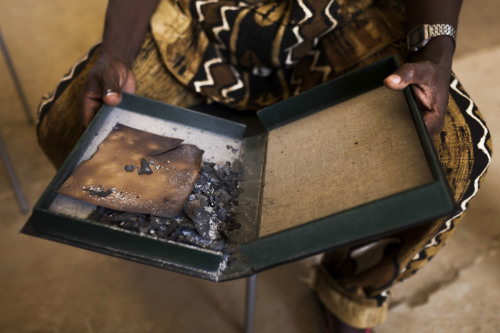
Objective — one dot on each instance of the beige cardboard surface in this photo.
(355, 152)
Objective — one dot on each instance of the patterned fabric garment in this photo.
(249, 55)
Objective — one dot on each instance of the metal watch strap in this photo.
(436, 30)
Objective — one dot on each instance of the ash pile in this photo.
(207, 219)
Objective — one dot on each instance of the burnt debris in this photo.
(145, 168)
(98, 191)
(207, 219)
(129, 167)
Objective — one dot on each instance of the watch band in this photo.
(419, 36)
(436, 30)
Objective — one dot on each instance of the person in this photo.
(250, 54)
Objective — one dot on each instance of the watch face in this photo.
(415, 37)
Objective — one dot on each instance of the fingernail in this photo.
(395, 78)
(109, 92)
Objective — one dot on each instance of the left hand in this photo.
(429, 77)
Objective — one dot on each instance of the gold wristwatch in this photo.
(419, 36)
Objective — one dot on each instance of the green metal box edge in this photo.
(361, 222)
(182, 258)
(254, 254)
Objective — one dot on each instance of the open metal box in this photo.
(341, 163)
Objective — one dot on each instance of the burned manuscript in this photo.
(138, 172)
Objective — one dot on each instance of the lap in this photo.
(349, 47)
(463, 146)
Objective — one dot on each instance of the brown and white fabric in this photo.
(250, 54)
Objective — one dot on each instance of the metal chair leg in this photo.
(250, 304)
(15, 78)
(21, 199)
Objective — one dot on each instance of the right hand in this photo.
(104, 85)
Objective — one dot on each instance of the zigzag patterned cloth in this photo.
(248, 55)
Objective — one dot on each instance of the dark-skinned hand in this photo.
(104, 85)
(428, 73)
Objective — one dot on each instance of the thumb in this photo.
(112, 97)
(394, 82)
(410, 73)
(112, 82)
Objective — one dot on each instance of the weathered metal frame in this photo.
(254, 254)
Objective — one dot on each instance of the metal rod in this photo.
(15, 78)
(250, 304)
(21, 199)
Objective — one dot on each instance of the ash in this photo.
(207, 219)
